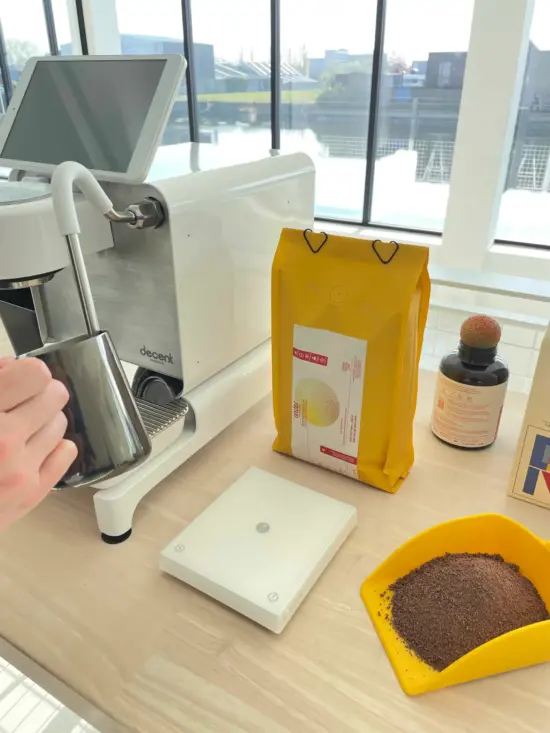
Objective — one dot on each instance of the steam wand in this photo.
(66, 177)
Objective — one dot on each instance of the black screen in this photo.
(88, 111)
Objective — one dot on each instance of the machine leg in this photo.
(219, 402)
(114, 509)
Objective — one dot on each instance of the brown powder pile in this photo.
(452, 604)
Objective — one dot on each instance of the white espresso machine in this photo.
(180, 275)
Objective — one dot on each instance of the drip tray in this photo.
(164, 425)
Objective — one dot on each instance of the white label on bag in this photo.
(328, 371)
(466, 415)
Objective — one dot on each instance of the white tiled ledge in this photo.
(519, 346)
(78, 715)
(486, 282)
(536, 323)
(26, 707)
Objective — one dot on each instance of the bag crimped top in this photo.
(345, 289)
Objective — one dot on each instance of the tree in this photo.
(329, 77)
(20, 51)
(396, 64)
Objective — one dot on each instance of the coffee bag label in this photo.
(466, 415)
(328, 371)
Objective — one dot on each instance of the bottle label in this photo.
(465, 415)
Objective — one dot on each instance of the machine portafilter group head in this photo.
(103, 418)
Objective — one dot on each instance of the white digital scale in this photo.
(260, 547)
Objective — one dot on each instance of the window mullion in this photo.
(101, 27)
(190, 71)
(276, 74)
(377, 63)
(50, 27)
(493, 80)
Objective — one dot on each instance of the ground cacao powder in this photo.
(453, 603)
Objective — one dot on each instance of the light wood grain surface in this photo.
(159, 657)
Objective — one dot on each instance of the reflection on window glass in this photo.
(233, 72)
(3, 100)
(25, 33)
(63, 28)
(326, 69)
(146, 30)
(524, 208)
(425, 47)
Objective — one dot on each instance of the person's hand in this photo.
(33, 454)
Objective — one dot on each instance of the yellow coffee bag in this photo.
(348, 318)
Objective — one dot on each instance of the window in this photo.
(444, 73)
(25, 31)
(407, 109)
(30, 28)
(233, 72)
(25, 35)
(326, 73)
(160, 32)
(526, 199)
(425, 45)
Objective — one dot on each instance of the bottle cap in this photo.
(480, 332)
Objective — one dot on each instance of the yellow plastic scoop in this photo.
(485, 533)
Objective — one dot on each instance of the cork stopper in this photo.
(480, 332)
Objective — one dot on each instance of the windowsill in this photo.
(472, 280)
(519, 250)
(376, 232)
(429, 240)
(488, 282)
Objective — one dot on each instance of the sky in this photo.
(235, 27)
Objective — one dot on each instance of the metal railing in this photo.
(435, 158)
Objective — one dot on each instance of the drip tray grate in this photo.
(157, 418)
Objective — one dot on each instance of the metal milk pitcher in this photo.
(103, 419)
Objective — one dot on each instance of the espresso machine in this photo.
(179, 271)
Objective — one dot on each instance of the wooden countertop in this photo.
(157, 656)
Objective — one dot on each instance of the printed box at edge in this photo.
(530, 479)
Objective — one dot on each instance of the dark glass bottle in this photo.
(466, 413)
